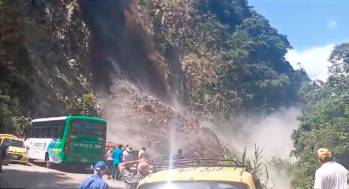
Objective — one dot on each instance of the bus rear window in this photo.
(80, 127)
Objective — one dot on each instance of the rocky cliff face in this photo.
(120, 44)
(44, 45)
(53, 51)
(157, 67)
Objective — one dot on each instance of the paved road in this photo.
(38, 177)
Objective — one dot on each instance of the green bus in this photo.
(76, 140)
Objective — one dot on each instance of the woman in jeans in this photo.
(109, 160)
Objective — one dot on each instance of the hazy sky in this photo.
(313, 27)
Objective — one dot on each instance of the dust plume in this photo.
(279, 178)
(272, 133)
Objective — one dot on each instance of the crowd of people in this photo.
(121, 163)
(119, 154)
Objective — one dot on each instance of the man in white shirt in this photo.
(126, 155)
(331, 175)
(141, 153)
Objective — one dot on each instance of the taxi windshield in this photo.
(195, 185)
(13, 142)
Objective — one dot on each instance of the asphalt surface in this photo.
(34, 176)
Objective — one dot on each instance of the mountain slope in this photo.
(201, 59)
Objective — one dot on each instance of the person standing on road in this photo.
(331, 175)
(179, 155)
(117, 159)
(96, 180)
(141, 153)
(3, 155)
(109, 159)
(126, 155)
(131, 179)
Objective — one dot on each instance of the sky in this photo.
(313, 28)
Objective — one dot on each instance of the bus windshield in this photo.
(80, 127)
(195, 185)
(13, 142)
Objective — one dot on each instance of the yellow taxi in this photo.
(16, 149)
(212, 176)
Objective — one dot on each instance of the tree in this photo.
(324, 120)
(84, 105)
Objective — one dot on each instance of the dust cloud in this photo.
(124, 123)
(271, 133)
(140, 120)
(279, 179)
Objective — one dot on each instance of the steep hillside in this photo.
(174, 60)
(43, 47)
(218, 57)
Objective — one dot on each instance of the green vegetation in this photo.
(223, 59)
(324, 120)
(233, 59)
(220, 58)
(255, 164)
(85, 105)
(42, 47)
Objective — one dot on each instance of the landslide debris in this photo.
(141, 120)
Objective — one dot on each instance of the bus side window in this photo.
(33, 132)
(48, 132)
(53, 132)
(61, 132)
(57, 134)
(44, 132)
(38, 132)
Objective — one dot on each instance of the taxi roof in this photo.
(204, 173)
(10, 136)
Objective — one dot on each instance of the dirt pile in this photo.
(141, 120)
